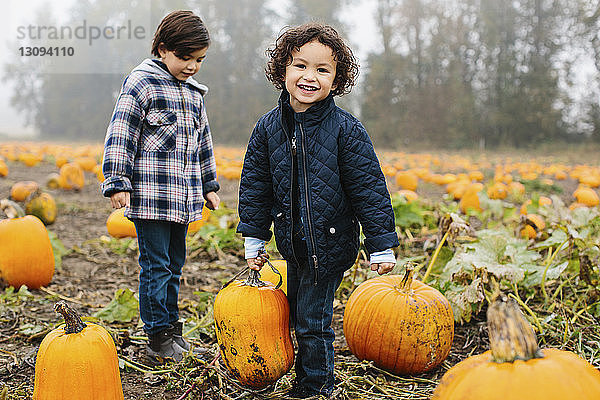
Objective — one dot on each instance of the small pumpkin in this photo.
(470, 198)
(532, 224)
(53, 181)
(195, 226)
(253, 332)
(403, 325)
(586, 195)
(42, 205)
(516, 368)
(71, 176)
(26, 256)
(3, 168)
(77, 361)
(21, 190)
(119, 226)
(407, 180)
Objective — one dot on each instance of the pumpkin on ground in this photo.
(26, 256)
(71, 177)
(3, 168)
(21, 190)
(42, 205)
(532, 224)
(77, 361)
(470, 198)
(403, 325)
(516, 368)
(586, 195)
(253, 332)
(119, 226)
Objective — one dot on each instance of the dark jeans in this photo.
(162, 255)
(311, 313)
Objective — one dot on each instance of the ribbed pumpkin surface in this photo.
(403, 332)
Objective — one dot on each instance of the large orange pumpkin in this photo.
(403, 325)
(252, 328)
(26, 256)
(77, 361)
(516, 368)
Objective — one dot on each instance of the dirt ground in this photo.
(90, 275)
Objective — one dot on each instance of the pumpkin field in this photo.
(474, 227)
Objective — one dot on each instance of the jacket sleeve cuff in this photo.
(386, 256)
(116, 184)
(382, 242)
(212, 186)
(248, 230)
(252, 246)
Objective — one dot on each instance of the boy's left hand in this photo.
(382, 268)
(212, 200)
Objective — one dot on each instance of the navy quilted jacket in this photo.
(340, 184)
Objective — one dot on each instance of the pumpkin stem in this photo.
(511, 336)
(73, 322)
(406, 283)
(254, 279)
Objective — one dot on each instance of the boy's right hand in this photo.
(120, 199)
(257, 262)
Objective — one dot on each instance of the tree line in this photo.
(444, 74)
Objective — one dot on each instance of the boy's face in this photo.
(182, 68)
(309, 78)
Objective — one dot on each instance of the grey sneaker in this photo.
(178, 338)
(162, 348)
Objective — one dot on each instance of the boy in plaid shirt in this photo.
(159, 163)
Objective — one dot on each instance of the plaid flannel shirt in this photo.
(158, 146)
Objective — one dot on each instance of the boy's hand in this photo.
(257, 262)
(212, 200)
(120, 199)
(382, 268)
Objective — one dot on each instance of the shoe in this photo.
(162, 348)
(299, 392)
(178, 338)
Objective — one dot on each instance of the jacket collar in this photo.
(151, 67)
(315, 113)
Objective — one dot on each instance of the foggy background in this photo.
(434, 73)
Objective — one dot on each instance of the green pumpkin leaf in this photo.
(122, 308)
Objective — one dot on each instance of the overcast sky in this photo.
(17, 12)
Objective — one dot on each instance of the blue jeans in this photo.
(311, 314)
(162, 255)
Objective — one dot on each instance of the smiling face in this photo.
(309, 77)
(182, 68)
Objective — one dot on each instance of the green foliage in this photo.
(537, 185)
(411, 215)
(122, 308)
(58, 248)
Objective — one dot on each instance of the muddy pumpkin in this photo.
(253, 333)
(403, 325)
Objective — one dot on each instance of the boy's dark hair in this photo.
(280, 55)
(182, 32)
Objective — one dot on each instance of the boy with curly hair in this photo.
(311, 170)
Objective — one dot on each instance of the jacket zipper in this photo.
(293, 150)
(186, 137)
(308, 215)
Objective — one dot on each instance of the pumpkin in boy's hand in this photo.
(267, 274)
(26, 256)
(253, 332)
(77, 361)
(119, 226)
(516, 368)
(195, 226)
(403, 325)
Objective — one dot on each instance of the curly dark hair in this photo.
(280, 55)
(182, 32)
